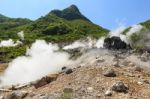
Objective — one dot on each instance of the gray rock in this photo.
(116, 64)
(143, 59)
(45, 80)
(68, 71)
(137, 68)
(108, 93)
(110, 73)
(146, 81)
(1, 97)
(145, 56)
(17, 95)
(90, 89)
(120, 87)
(63, 68)
(100, 60)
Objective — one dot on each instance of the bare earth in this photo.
(89, 82)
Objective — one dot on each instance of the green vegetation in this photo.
(66, 25)
(57, 26)
(146, 24)
(67, 93)
(142, 38)
(9, 53)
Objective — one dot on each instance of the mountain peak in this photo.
(70, 13)
(74, 8)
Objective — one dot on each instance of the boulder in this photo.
(116, 64)
(110, 73)
(145, 56)
(1, 97)
(17, 95)
(68, 71)
(125, 63)
(146, 48)
(44, 81)
(115, 43)
(63, 68)
(137, 68)
(120, 87)
(108, 93)
(90, 89)
(131, 64)
(100, 60)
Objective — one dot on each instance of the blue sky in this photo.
(107, 13)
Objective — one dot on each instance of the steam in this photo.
(117, 32)
(21, 35)
(41, 59)
(9, 43)
(100, 42)
(134, 29)
(74, 45)
(45, 58)
(88, 43)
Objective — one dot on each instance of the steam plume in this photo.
(41, 59)
(9, 43)
(21, 35)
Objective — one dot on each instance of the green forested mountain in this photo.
(146, 24)
(58, 25)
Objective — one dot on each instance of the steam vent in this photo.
(115, 43)
(66, 55)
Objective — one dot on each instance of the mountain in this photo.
(70, 13)
(146, 24)
(7, 23)
(58, 25)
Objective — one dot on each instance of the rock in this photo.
(90, 89)
(143, 59)
(114, 43)
(145, 56)
(137, 68)
(119, 87)
(17, 95)
(100, 60)
(43, 96)
(68, 71)
(146, 81)
(10, 87)
(125, 63)
(1, 97)
(131, 64)
(116, 64)
(63, 68)
(140, 83)
(45, 80)
(110, 73)
(108, 93)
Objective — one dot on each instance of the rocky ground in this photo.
(109, 77)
